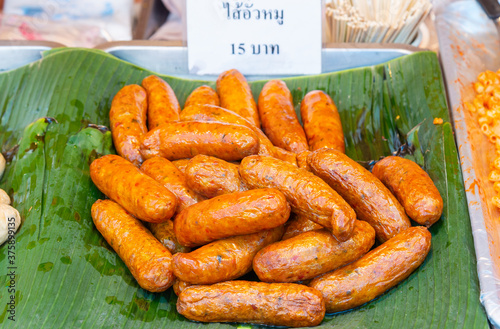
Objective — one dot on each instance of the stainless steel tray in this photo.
(469, 44)
(170, 58)
(15, 54)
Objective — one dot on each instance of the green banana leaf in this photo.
(60, 273)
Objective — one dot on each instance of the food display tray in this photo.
(170, 58)
(15, 54)
(469, 44)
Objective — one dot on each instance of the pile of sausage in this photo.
(200, 197)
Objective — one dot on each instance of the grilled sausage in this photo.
(203, 95)
(127, 119)
(302, 160)
(371, 200)
(299, 224)
(412, 186)
(135, 191)
(279, 120)
(310, 254)
(210, 176)
(231, 214)
(163, 105)
(178, 140)
(164, 232)
(223, 260)
(181, 164)
(274, 304)
(308, 195)
(235, 95)
(167, 174)
(376, 272)
(219, 114)
(147, 259)
(285, 155)
(179, 286)
(322, 122)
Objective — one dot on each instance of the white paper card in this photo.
(254, 36)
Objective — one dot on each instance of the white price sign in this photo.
(254, 36)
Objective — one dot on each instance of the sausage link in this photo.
(231, 214)
(285, 155)
(210, 176)
(376, 272)
(127, 119)
(310, 254)
(235, 95)
(164, 232)
(181, 164)
(178, 140)
(412, 186)
(302, 160)
(322, 122)
(308, 195)
(203, 95)
(135, 191)
(179, 286)
(163, 105)
(298, 225)
(279, 120)
(371, 200)
(223, 260)
(167, 174)
(219, 114)
(274, 304)
(146, 258)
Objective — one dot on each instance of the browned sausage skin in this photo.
(322, 122)
(147, 259)
(231, 214)
(376, 272)
(201, 96)
(223, 260)
(299, 224)
(279, 120)
(179, 140)
(371, 200)
(412, 186)
(167, 174)
(235, 95)
(163, 106)
(127, 119)
(310, 254)
(219, 114)
(274, 304)
(135, 191)
(308, 194)
(210, 176)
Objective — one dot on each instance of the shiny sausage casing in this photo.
(299, 224)
(376, 272)
(285, 155)
(371, 200)
(179, 140)
(179, 286)
(412, 186)
(310, 254)
(167, 174)
(308, 195)
(147, 259)
(181, 164)
(235, 95)
(223, 260)
(127, 119)
(322, 122)
(135, 191)
(163, 105)
(231, 214)
(203, 95)
(302, 160)
(164, 232)
(279, 120)
(219, 114)
(210, 176)
(275, 304)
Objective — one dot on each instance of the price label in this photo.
(254, 36)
